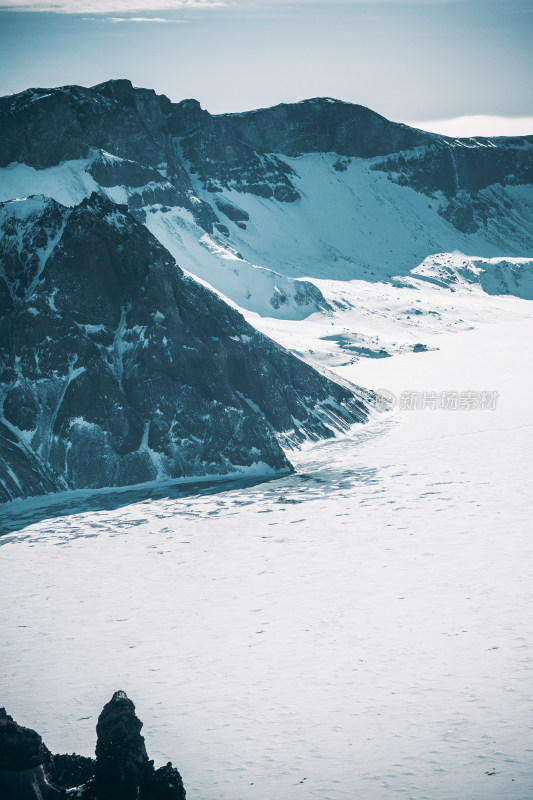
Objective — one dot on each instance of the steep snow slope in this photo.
(357, 223)
(353, 223)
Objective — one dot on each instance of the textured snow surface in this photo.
(68, 183)
(214, 262)
(359, 629)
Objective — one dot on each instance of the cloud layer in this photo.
(141, 19)
(479, 125)
(108, 6)
(133, 6)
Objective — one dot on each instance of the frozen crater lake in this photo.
(360, 629)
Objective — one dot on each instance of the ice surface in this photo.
(360, 629)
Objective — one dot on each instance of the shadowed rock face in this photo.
(122, 763)
(241, 151)
(139, 125)
(69, 770)
(116, 368)
(122, 770)
(461, 170)
(22, 755)
(20, 748)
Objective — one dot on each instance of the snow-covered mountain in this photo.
(118, 369)
(250, 202)
(286, 212)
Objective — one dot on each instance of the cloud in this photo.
(142, 19)
(132, 6)
(479, 125)
(110, 7)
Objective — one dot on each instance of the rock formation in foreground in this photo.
(121, 771)
(22, 756)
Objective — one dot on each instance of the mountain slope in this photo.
(116, 368)
(250, 202)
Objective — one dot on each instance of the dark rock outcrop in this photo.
(121, 771)
(122, 763)
(235, 150)
(20, 748)
(69, 770)
(117, 369)
(22, 755)
(461, 170)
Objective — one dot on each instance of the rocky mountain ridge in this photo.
(242, 152)
(118, 369)
(253, 203)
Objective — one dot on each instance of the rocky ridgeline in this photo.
(236, 150)
(121, 770)
(171, 148)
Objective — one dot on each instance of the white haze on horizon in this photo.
(478, 125)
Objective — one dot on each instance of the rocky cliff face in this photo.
(121, 770)
(461, 170)
(138, 125)
(116, 368)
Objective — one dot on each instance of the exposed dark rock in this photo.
(231, 211)
(468, 165)
(116, 368)
(122, 763)
(22, 755)
(121, 771)
(460, 211)
(461, 170)
(69, 770)
(341, 165)
(116, 172)
(223, 229)
(164, 783)
(20, 748)
(22, 472)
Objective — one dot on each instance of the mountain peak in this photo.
(114, 87)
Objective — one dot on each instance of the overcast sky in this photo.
(410, 60)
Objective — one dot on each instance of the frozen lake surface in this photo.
(361, 629)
